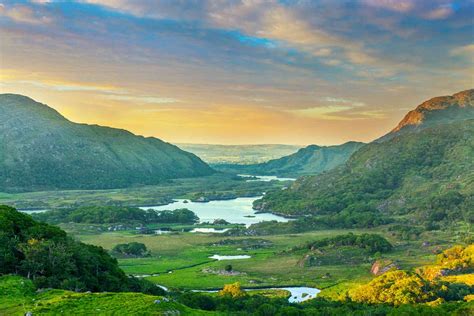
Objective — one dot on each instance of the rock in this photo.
(439, 109)
(381, 266)
(28, 314)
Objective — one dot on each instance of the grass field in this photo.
(18, 297)
(181, 260)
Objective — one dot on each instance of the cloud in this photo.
(466, 51)
(322, 112)
(343, 101)
(439, 13)
(430, 10)
(394, 5)
(143, 99)
(25, 14)
(9, 77)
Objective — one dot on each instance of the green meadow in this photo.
(181, 261)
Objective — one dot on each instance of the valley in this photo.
(398, 209)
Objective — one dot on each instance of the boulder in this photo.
(381, 266)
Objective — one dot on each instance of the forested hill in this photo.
(425, 172)
(52, 259)
(42, 150)
(312, 159)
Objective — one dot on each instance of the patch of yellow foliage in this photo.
(402, 287)
(33, 241)
(467, 279)
(394, 287)
(436, 302)
(469, 298)
(233, 290)
(457, 258)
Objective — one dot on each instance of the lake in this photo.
(233, 211)
(265, 178)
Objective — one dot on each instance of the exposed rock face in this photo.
(459, 106)
(381, 266)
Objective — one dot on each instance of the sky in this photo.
(238, 72)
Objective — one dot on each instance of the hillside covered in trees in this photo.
(50, 258)
(425, 172)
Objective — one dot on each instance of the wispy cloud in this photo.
(142, 99)
(466, 51)
(24, 14)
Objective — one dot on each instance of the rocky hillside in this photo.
(445, 109)
(42, 150)
(312, 159)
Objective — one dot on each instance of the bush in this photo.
(133, 249)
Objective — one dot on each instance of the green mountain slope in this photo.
(41, 150)
(312, 159)
(422, 171)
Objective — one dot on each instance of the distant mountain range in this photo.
(42, 150)
(425, 166)
(312, 159)
(215, 154)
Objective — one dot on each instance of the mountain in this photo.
(42, 150)
(424, 172)
(312, 159)
(445, 109)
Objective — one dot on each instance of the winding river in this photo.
(298, 294)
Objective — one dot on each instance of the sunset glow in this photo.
(237, 72)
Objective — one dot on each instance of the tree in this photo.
(393, 287)
(232, 290)
(133, 249)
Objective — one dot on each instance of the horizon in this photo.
(237, 73)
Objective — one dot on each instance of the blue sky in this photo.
(300, 72)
